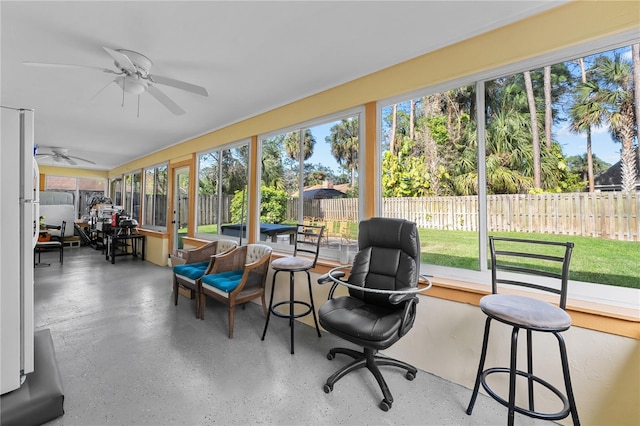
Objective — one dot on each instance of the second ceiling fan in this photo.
(134, 77)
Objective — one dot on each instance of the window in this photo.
(116, 191)
(430, 173)
(155, 196)
(313, 182)
(131, 204)
(83, 189)
(222, 190)
(553, 155)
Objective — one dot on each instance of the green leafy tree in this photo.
(273, 205)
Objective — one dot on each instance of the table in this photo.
(271, 230)
(115, 240)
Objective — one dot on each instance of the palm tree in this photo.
(585, 113)
(292, 144)
(612, 93)
(344, 140)
(535, 136)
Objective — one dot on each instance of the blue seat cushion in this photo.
(191, 270)
(225, 281)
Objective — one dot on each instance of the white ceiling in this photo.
(250, 56)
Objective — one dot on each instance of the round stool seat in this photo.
(525, 312)
(292, 263)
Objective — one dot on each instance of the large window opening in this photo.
(559, 160)
(155, 197)
(84, 191)
(222, 191)
(309, 175)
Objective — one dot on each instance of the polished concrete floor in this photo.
(128, 356)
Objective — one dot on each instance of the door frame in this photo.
(190, 164)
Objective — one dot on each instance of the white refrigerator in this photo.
(19, 226)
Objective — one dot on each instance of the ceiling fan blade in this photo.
(69, 157)
(198, 90)
(54, 65)
(165, 100)
(70, 161)
(43, 156)
(122, 59)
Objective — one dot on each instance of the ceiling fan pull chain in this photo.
(124, 82)
(138, 106)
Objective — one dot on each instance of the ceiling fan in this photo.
(59, 155)
(133, 76)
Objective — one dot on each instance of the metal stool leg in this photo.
(273, 286)
(567, 379)
(313, 307)
(483, 356)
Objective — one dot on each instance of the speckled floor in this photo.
(128, 356)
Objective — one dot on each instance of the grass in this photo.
(594, 260)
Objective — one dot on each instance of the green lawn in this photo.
(594, 260)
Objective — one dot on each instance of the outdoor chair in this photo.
(236, 278)
(190, 265)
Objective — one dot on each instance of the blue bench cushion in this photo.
(191, 270)
(225, 281)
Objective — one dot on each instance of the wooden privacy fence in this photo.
(607, 215)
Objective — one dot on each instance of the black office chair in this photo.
(307, 241)
(544, 266)
(55, 243)
(381, 305)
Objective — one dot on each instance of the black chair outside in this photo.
(55, 243)
(307, 241)
(381, 305)
(543, 266)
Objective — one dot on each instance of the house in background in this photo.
(611, 179)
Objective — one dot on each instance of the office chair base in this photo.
(368, 359)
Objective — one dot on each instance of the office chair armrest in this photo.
(406, 293)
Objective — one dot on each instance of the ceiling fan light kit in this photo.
(133, 77)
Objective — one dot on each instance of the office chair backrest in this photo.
(542, 265)
(388, 258)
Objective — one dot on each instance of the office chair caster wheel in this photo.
(410, 376)
(327, 388)
(330, 356)
(385, 405)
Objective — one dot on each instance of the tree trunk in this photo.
(635, 53)
(535, 137)
(548, 112)
(412, 114)
(394, 124)
(590, 178)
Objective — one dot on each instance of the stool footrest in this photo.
(291, 302)
(544, 416)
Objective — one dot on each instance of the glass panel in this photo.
(116, 191)
(135, 200)
(233, 189)
(328, 187)
(568, 172)
(207, 203)
(430, 173)
(160, 197)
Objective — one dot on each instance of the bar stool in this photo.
(307, 240)
(536, 263)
